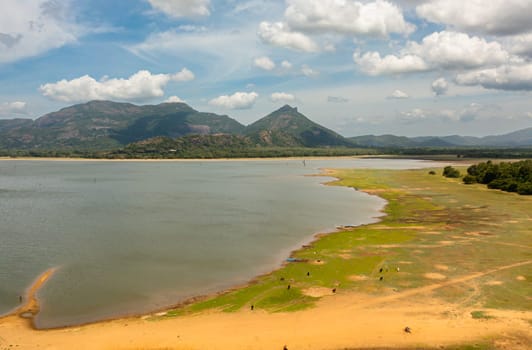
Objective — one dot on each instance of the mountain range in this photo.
(104, 125)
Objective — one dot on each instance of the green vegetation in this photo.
(286, 127)
(479, 314)
(451, 172)
(506, 176)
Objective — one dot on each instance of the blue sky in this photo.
(407, 67)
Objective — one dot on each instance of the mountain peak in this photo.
(287, 109)
(286, 127)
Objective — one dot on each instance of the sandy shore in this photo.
(338, 322)
(346, 320)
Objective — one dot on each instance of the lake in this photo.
(132, 237)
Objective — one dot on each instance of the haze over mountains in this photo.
(110, 125)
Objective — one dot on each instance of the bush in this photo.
(451, 172)
(525, 188)
(432, 172)
(468, 179)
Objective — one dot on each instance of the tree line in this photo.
(505, 176)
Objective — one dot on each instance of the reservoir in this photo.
(133, 237)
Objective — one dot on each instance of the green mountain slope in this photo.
(286, 127)
(106, 125)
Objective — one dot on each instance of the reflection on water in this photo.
(135, 236)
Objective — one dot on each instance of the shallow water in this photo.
(130, 237)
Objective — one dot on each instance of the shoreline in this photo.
(174, 160)
(305, 244)
(29, 306)
(349, 319)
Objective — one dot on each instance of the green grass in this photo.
(479, 314)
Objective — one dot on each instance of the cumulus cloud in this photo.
(440, 86)
(286, 65)
(282, 96)
(174, 99)
(182, 8)
(519, 44)
(447, 50)
(30, 28)
(505, 77)
(264, 62)
(414, 115)
(498, 17)
(309, 72)
(377, 18)
(398, 94)
(10, 108)
(142, 85)
(238, 100)
(337, 99)
(373, 64)
(458, 50)
(279, 34)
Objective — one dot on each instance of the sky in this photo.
(404, 67)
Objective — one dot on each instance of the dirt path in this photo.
(432, 287)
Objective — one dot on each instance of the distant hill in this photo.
(106, 125)
(520, 138)
(286, 127)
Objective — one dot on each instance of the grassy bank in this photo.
(435, 231)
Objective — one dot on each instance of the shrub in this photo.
(449, 171)
(468, 179)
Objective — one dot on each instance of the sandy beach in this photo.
(341, 321)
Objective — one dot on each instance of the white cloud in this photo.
(182, 8)
(371, 63)
(31, 27)
(398, 94)
(282, 96)
(519, 44)
(458, 50)
(174, 99)
(264, 62)
(309, 72)
(414, 115)
(286, 65)
(505, 77)
(10, 108)
(377, 18)
(440, 86)
(142, 85)
(279, 34)
(447, 50)
(238, 100)
(499, 17)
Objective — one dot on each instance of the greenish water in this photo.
(131, 237)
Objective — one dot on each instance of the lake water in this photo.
(131, 237)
